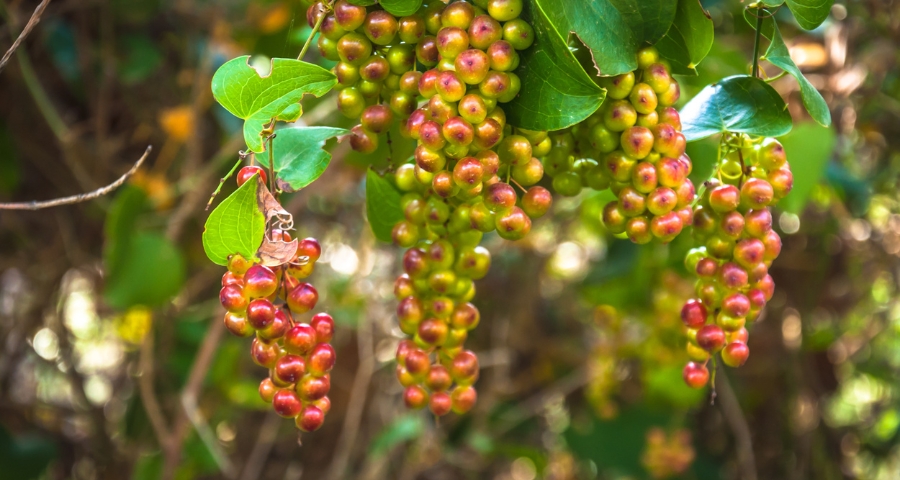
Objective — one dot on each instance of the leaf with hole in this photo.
(551, 101)
(382, 205)
(258, 99)
(299, 155)
(689, 38)
(741, 104)
(597, 23)
(237, 225)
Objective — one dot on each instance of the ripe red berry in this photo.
(290, 368)
(463, 399)
(415, 397)
(711, 338)
(438, 378)
(695, 375)
(264, 355)
(286, 403)
(238, 325)
(279, 326)
(267, 390)
(247, 172)
(693, 313)
(260, 313)
(310, 419)
(464, 368)
(321, 360)
(312, 388)
(323, 324)
(440, 403)
(303, 298)
(233, 299)
(735, 354)
(260, 282)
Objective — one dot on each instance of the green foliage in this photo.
(401, 7)
(778, 55)
(551, 101)
(142, 58)
(741, 104)
(810, 13)
(299, 156)
(24, 457)
(143, 267)
(382, 205)
(236, 226)
(649, 19)
(689, 39)
(596, 23)
(615, 445)
(808, 149)
(257, 100)
(404, 428)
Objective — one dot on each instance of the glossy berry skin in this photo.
(290, 368)
(463, 399)
(233, 299)
(260, 313)
(238, 325)
(484, 31)
(711, 338)
(245, 173)
(267, 390)
(286, 403)
(312, 388)
(264, 355)
(323, 325)
(277, 329)
(735, 354)
(504, 10)
(349, 16)
(303, 298)
(321, 359)
(537, 201)
(440, 403)
(694, 314)
(695, 375)
(452, 41)
(300, 340)
(310, 418)
(381, 27)
(513, 225)
(724, 198)
(415, 397)
(377, 118)
(260, 282)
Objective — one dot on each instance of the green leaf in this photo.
(649, 19)
(141, 59)
(742, 104)
(810, 13)
(406, 427)
(151, 274)
(689, 39)
(401, 8)
(25, 456)
(778, 55)
(551, 101)
(382, 205)
(808, 148)
(236, 226)
(129, 202)
(598, 24)
(299, 157)
(362, 3)
(257, 100)
(704, 156)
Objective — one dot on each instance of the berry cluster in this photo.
(297, 354)
(633, 145)
(733, 223)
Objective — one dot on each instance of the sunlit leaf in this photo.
(257, 100)
(236, 226)
(808, 148)
(551, 101)
(689, 39)
(649, 19)
(401, 7)
(299, 157)
(810, 13)
(152, 272)
(599, 25)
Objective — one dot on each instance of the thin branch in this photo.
(265, 440)
(84, 197)
(148, 395)
(312, 34)
(35, 18)
(731, 410)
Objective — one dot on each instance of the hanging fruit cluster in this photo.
(633, 146)
(297, 354)
(465, 161)
(733, 225)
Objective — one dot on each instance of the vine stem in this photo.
(272, 165)
(226, 177)
(311, 36)
(759, 22)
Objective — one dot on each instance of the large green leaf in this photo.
(808, 148)
(257, 100)
(151, 274)
(778, 55)
(742, 104)
(401, 7)
(649, 19)
(810, 13)
(382, 205)
(236, 226)
(689, 39)
(299, 157)
(599, 25)
(556, 92)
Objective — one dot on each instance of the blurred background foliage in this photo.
(113, 361)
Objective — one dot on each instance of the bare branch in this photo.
(35, 18)
(84, 197)
(148, 395)
(731, 410)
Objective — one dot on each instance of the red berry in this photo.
(735, 354)
(279, 326)
(321, 360)
(303, 298)
(286, 403)
(693, 313)
(233, 299)
(711, 338)
(415, 397)
(440, 403)
(261, 313)
(313, 388)
(264, 355)
(290, 368)
(310, 419)
(260, 282)
(695, 375)
(238, 325)
(247, 172)
(463, 399)
(323, 324)
(300, 340)
(267, 390)
(464, 368)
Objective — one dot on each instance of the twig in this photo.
(268, 432)
(35, 18)
(228, 175)
(148, 394)
(352, 419)
(312, 34)
(172, 451)
(731, 409)
(35, 205)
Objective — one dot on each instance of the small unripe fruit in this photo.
(349, 16)
(484, 31)
(463, 399)
(363, 141)
(518, 33)
(724, 198)
(381, 27)
(735, 354)
(618, 87)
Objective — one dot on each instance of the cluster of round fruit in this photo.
(434, 310)
(298, 354)
(633, 145)
(733, 225)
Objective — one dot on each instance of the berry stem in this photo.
(312, 35)
(272, 165)
(759, 22)
(241, 157)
